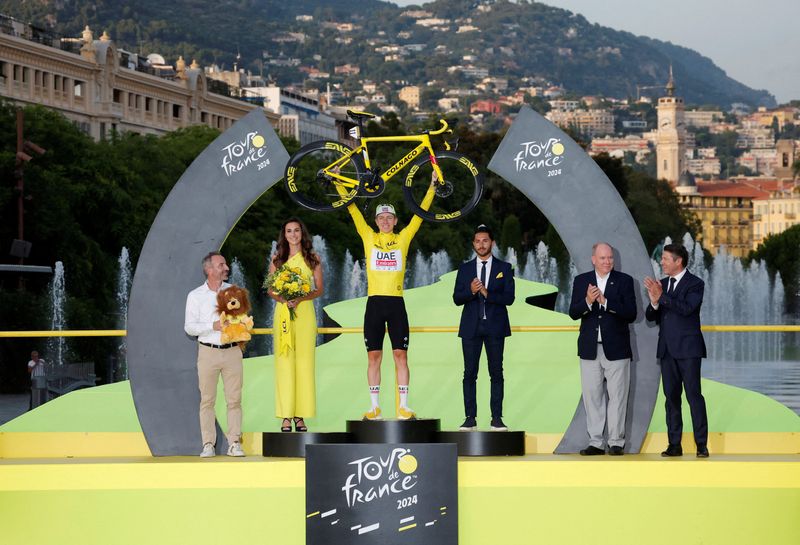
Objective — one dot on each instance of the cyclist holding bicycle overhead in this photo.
(386, 253)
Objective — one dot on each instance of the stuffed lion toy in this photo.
(233, 305)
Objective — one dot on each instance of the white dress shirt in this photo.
(677, 278)
(479, 266)
(201, 313)
(601, 284)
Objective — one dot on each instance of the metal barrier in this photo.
(62, 379)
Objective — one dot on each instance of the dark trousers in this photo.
(677, 374)
(472, 354)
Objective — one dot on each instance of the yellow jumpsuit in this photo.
(294, 346)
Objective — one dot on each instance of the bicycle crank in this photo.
(444, 190)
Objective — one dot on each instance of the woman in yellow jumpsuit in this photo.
(295, 339)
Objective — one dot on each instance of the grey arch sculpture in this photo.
(200, 211)
(584, 207)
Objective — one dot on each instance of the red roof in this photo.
(730, 189)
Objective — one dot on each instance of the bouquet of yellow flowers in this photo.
(289, 283)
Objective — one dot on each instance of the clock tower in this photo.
(670, 136)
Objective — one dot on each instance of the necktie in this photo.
(671, 285)
(481, 298)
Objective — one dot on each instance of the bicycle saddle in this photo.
(359, 116)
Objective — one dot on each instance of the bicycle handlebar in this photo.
(441, 129)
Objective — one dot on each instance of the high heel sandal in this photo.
(297, 421)
(287, 425)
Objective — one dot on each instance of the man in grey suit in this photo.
(605, 303)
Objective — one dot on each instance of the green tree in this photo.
(84, 202)
(781, 253)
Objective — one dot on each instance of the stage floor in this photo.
(726, 499)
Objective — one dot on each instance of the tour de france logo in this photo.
(251, 152)
(375, 485)
(543, 156)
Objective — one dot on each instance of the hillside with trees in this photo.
(522, 41)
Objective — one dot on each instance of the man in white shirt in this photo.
(215, 359)
(604, 300)
(38, 380)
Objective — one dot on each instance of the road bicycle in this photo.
(327, 175)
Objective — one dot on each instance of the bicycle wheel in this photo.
(460, 193)
(310, 186)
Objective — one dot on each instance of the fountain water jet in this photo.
(57, 346)
(123, 292)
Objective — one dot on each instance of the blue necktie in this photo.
(481, 298)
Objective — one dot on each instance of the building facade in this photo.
(410, 95)
(300, 115)
(775, 213)
(589, 122)
(725, 211)
(103, 89)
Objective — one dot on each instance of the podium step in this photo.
(293, 444)
(421, 430)
(485, 443)
(424, 430)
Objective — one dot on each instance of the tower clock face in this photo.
(666, 123)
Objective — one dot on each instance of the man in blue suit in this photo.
(675, 306)
(485, 287)
(605, 302)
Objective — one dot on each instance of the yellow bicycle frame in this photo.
(351, 185)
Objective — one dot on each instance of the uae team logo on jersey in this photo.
(387, 260)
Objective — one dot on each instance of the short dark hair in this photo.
(483, 229)
(678, 250)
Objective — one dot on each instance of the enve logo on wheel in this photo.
(290, 179)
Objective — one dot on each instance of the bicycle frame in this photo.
(424, 140)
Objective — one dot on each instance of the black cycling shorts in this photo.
(385, 311)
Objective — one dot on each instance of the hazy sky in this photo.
(756, 43)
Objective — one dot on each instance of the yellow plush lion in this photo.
(233, 305)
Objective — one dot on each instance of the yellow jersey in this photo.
(386, 253)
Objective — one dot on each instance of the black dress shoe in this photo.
(702, 451)
(592, 451)
(615, 451)
(672, 450)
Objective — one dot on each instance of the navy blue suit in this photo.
(613, 321)
(475, 331)
(680, 349)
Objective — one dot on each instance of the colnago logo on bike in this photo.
(536, 155)
(402, 162)
(251, 150)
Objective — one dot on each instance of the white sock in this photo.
(403, 390)
(374, 391)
